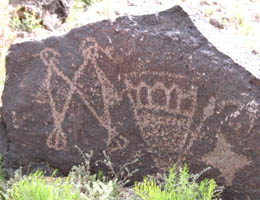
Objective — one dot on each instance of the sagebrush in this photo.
(178, 186)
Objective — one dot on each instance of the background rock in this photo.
(150, 87)
(52, 12)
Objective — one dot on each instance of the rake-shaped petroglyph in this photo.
(164, 112)
(89, 49)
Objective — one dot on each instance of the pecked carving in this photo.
(222, 157)
(89, 49)
(159, 121)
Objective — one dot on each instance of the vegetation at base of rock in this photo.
(1, 173)
(178, 186)
(92, 186)
(37, 187)
(2, 180)
(98, 186)
(80, 184)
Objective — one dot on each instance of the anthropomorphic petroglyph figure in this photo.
(90, 52)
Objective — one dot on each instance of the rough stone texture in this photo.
(3, 137)
(148, 87)
(52, 12)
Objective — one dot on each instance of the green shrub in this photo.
(98, 186)
(2, 180)
(28, 21)
(80, 184)
(38, 187)
(177, 186)
(88, 2)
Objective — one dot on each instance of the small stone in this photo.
(216, 23)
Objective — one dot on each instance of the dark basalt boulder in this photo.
(148, 87)
(3, 137)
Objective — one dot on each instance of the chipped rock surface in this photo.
(148, 87)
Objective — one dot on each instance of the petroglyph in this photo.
(198, 134)
(169, 119)
(89, 49)
(222, 157)
(231, 118)
(227, 161)
(163, 111)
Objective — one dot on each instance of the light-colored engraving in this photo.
(118, 145)
(234, 115)
(197, 133)
(161, 123)
(15, 120)
(89, 49)
(171, 126)
(227, 161)
(49, 57)
(222, 157)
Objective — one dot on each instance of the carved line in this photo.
(89, 54)
(56, 116)
(180, 96)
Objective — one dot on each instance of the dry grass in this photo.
(240, 17)
(3, 36)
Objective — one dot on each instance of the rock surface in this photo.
(149, 87)
(3, 137)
